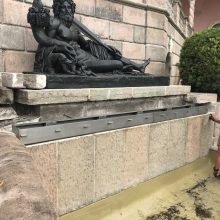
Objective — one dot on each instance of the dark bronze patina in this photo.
(63, 50)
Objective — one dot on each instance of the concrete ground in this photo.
(188, 193)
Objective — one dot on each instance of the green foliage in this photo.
(200, 62)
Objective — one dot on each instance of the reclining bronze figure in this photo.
(63, 49)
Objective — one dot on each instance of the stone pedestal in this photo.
(54, 104)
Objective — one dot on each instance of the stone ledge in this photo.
(54, 96)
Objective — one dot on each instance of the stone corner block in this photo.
(13, 80)
(35, 81)
(177, 90)
(202, 97)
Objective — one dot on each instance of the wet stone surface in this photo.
(200, 202)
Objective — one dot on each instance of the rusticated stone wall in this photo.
(82, 170)
(140, 29)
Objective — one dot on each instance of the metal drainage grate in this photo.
(48, 131)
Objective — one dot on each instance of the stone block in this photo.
(51, 96)
(156, 53)
(30, 43)
(45, 161)
(174, 80)
(177, 90)
(1, 11)
(7, 113)
(13, 80)
(47, 3)
(139, 34)
(87, 8)
(108, 10)
(157, 20)
(140, 92)
(158, 4)
(97, 26)
(193, 138)
(99, 94)
(174, 71)
(134, 16)
(109, 167)
(116, 44)
(136, 155)
(178, 38)
(76, 173)
(202, 97)
(176, 48)
(35, 81)
(206, 135)
(125, 34)
(120, 93)
(133, 51)
(177, 146)
(12, 37)
(1, 62)
(158, 37)
(18, 61)
(175, 59)
(11, 15)
(158, 148)
(156, 68)
(6, 96)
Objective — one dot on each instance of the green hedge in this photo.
(200, 62)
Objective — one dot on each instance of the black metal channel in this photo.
(32, 133)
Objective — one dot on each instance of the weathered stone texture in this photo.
(134, 16)
(136, 155)
(133, 51)
(176, 152)
(45, 161)
(156, 53)
(76, 173)
(207, 130)
(1, 62)
(13, 80)
(158, 37)
(158, 148)
(11, 15)
(123, 32)
(139, 34)
(11, 37)
(7, 113)
(18, 61)
(156, 68)
(97, 26)
(108, 10)
(6, 96)
(35, 81)
(157, 20)
(193, 138)
(85, 7)
(30, 43)
(108, 156)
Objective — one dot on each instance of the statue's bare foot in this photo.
(144, 65)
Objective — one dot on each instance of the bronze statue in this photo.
(62, 48)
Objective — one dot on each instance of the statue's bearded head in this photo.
(64, 10)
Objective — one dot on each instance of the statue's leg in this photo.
(100, 66)
(136, 66)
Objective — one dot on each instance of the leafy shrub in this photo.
(200, 62)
